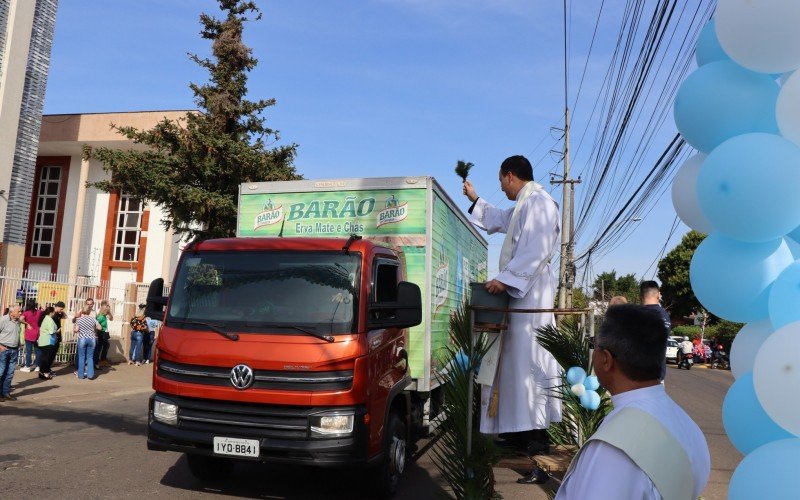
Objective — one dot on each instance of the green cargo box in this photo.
(442, 250)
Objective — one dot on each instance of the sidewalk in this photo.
(115, 380)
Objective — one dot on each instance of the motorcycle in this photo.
(686, 361)
(720, 359)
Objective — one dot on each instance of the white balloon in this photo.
(760, 35)
(776, 376)
(684, 195)
(746, 344)
(787, 109)
(578, 389)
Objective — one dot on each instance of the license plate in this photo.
(236, 447)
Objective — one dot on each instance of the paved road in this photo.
(700, 392)
(85, 439)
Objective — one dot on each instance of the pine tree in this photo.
(193, 166)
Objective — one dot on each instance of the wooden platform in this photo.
(557, 462)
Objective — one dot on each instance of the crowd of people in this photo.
(32, 338)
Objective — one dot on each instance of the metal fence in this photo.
(17, 286)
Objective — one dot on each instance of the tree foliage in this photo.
(673, 272)
(192, 167)
(608, 284)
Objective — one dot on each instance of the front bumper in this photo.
(283, 432)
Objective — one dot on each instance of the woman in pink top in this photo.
(31, 316)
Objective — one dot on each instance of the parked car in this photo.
(672, 351)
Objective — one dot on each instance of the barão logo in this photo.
(394, 212)
(268, 216)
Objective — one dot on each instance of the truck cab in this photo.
(288, 350)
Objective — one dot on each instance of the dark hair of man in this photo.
(519, 166)
(30, 305)
(648, 287)
(637, 339)
(46, 312)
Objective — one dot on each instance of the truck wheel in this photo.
(388, 474)
(208, 468)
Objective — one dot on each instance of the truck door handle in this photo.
(402, 363)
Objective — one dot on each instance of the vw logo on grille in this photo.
(242, 376)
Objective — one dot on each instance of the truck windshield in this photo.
(266, 291)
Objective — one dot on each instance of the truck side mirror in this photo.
(409, 308)
(405, 312)
(155, 300)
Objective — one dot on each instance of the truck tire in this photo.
(387, 475)
(207, 468)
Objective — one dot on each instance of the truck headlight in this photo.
(332, 425)
(164, 412)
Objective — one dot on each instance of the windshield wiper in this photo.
(227, 335)
(326, 338)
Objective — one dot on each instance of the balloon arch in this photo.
(741, 110)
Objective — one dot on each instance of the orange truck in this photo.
(317, 336)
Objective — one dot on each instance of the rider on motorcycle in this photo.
(685, 348)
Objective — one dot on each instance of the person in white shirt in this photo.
(647, 447)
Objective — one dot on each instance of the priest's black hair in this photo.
(519, 166)
(636, 337)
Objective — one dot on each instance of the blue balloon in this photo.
(769, 472)
(591, 383)
(590, 400)
(747, 424)
(461, 361)
(784, 297)
(722, 100)
(750, 167)
(576, 375)
(708, 48)
(732, 278)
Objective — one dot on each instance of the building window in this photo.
(44, 222)
(128, 229)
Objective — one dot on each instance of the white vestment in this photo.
(527, 373)
(603, 472)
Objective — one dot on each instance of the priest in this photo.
(519, 392)
(647, 447)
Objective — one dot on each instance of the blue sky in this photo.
(367, 87)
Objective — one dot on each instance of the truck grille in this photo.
(276, 380)
(247, 420)
(243, 420)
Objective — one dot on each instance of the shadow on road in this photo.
(110, 421)
(258, 480)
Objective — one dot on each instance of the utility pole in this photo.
(566, 271)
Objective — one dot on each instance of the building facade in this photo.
(79, 231)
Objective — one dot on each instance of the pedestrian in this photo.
(85, 327)
(517, 400)
(617, 300)
(9, 350)
(47, 342)
(60, 318)
(103, 336)
(138, 330)
(150, 338)
(650, 295)
(667, 455)
(31, 318)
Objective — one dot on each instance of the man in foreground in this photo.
(9, 350)
(647, 447)
(518, 398)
